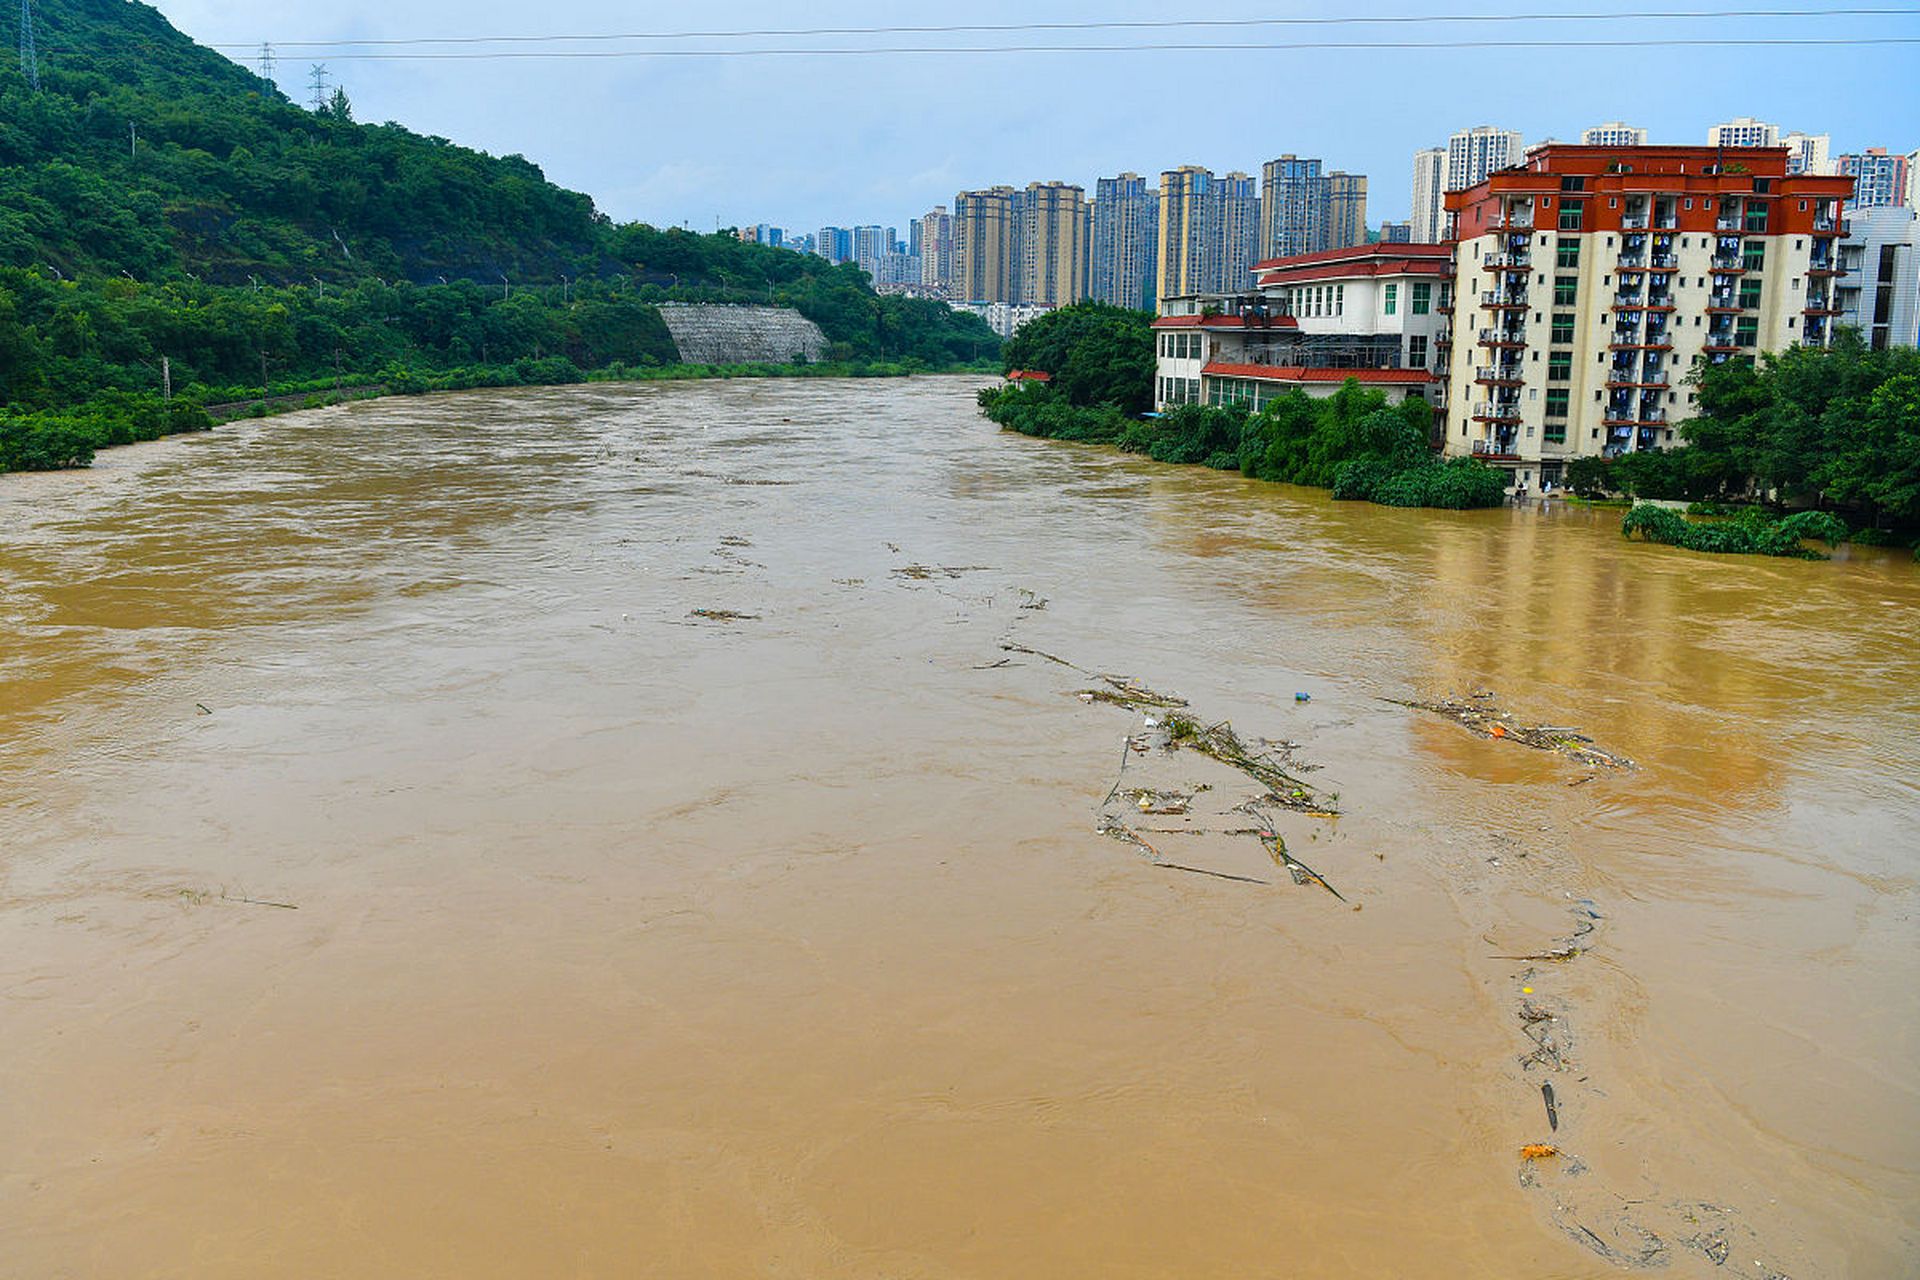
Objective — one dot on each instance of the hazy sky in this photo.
(802, 141)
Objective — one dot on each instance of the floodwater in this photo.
(617, 941)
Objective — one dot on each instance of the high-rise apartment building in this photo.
(1429, 219)
(1125, 233)
(1744, 132)
(1295, 207)
(1808, 153)
(835, 244)
(1239, 197)
(1614, 133)
(1589, 281)
(1879, 179)
(1396, 233)
(1190, 232)
(936, 248)
(870, 245)
(1055, 238)
(1346, 210)
(983, 246)
(1474, 153)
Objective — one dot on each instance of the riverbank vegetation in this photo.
(1100, 364)
(171, 223)
(1836, 429)
(1752, 532)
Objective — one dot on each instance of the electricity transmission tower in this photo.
(266, 62)
(29, 56)
(319, 82)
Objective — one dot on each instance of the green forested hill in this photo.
(145, 153)
(165, 212)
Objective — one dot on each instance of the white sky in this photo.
(804, 141)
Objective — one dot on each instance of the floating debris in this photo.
(923, 572)
(1484, 719)
(723, 615)
(1539, 1151)
(1221, 743)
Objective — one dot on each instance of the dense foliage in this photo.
(1752, 532)
(1837, 427)
(159, 203)
(1096, 354)
(1350, 442)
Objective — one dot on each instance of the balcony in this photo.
(1505, 300)
(1821, 304)
(1724, 223)
(1654, 417)
(1728, 263)
(1663, 262)
(1634, 222)
(1496, 413)
(1824, 226)
(1627, 337)
(1516, 220)
(1506, 373)
(1514, 260)
(1660, 301)
(1723, 300)
(1666, 222)
(1503, 338)
(1628, 298)
(1632, 262)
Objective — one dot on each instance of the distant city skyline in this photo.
(803, 142)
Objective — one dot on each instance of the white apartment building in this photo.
(1429, 195)
(1474, 153)
(1744, 132)
(1374, 313)
(1614, 134)
(1808, 153)
(1596, 276)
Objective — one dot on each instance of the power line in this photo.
(1709, 42)
(266, 61)
(1136, 25)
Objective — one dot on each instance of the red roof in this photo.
(1274, 321)
(1383, 251)
(1029, 375)
(1285, 273)
(1298, 373)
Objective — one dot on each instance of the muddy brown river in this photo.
(398, 878)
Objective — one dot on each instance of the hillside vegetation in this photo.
(159, 203)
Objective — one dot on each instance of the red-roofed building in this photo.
(1029, 375)
(1377, 312)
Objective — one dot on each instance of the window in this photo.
(1753, 255)
(1570, 211)
(1565, 290)
(1756, 218)
(1573, 184)
(1560, 366)
(1417, 351)
(1562, 327)
(1393, 299)
(1422, 297)
(1557, 400)
(1568, 256)
(1746, 331)
(1750, 291)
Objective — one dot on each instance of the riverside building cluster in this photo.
(1549, 300)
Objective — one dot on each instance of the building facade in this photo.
(1880, 180)
(1055, 241)
(1346, 210)
(1429, 217)
(1190, 233)
(1125, 233)
(1744, 131)
(1396, 233)
(1808, 153)
(1880, 292)
(1589, 281)
(983, 246)
(1373, 313)
(1474, 153)
(1239, 197)
(936, 249)
(1296, 207)
(1614, 133)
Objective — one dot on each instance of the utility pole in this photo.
(133, 140)
(166, 378)
(29, 56)
(318, 79)
(266, 63)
